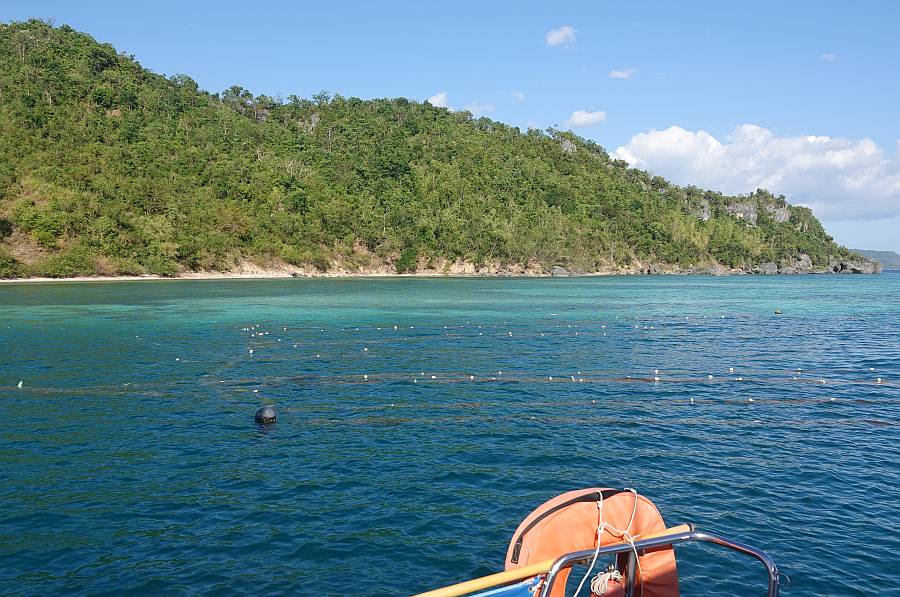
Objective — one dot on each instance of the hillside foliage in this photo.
(106, 167)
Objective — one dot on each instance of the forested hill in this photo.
(108, 168)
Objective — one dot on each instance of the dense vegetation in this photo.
(106, 167)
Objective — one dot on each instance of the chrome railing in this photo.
(578, 557)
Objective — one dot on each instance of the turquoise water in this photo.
(130, 464)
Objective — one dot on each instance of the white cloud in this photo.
(518, 96)
(625, 73)
(585, 118)
(478, 109)
(438, 100)
(441, 100)
(561, 35)
(829, 56)
(840, 179)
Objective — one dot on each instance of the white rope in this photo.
(601, 581)
(601, 525)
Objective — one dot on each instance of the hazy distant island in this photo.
(109, 169)
(887, 259)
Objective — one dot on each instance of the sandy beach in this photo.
(249, 270)
(274, 274)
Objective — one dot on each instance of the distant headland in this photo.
(887, 259)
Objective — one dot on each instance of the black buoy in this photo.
(264, 415)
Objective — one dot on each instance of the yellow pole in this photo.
(510, 576)
(493, 580)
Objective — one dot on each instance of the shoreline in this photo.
(284, 276)
(441, 268)
(281, 275)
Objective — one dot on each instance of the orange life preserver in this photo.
(569, 523)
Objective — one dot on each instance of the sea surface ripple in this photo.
(418, 424)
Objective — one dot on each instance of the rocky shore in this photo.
(801, 265)
(248, 270)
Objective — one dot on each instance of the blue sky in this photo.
(818, 81)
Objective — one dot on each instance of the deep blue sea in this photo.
(130, 462)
